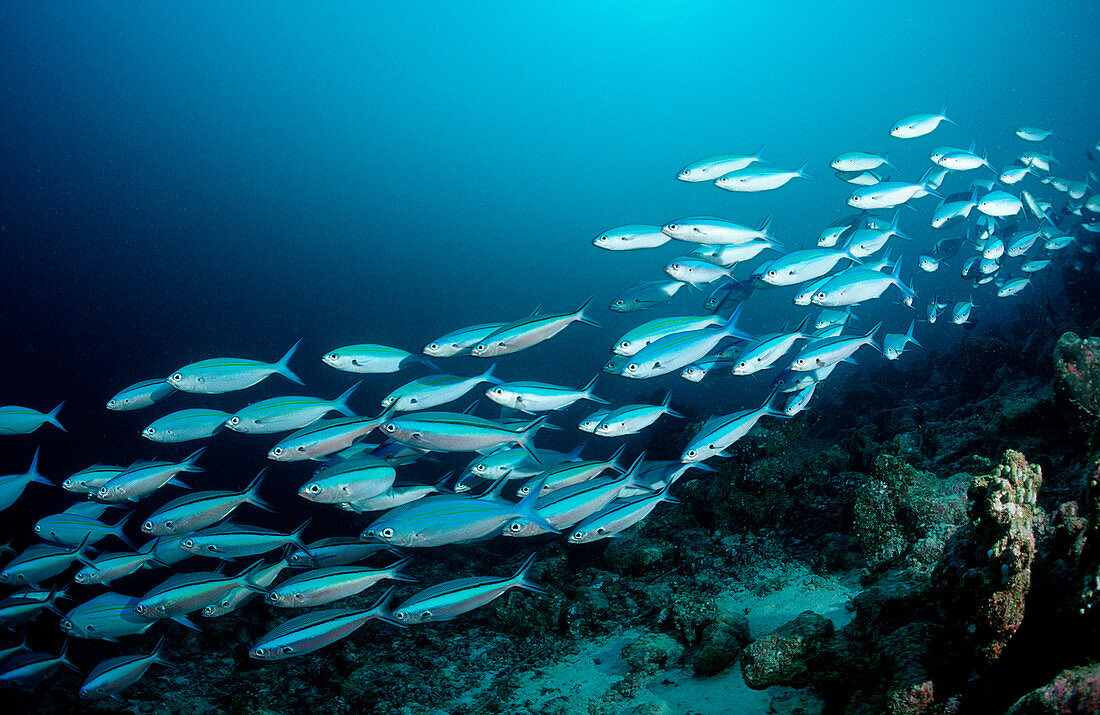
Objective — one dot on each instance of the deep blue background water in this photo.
(224, 178)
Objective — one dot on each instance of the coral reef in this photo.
(786, 656)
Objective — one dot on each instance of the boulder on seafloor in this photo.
(1077, 374)
(1072, 692)
(786, 656)
(721, 644)
(984, 575)
(652, 652)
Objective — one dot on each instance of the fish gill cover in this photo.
(314, 360)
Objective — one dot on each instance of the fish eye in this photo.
(498, 391)
(515, 526)
(672, 227)
(618, 302)
(578, 535)
(66, 623)
(38, 528)
(674, 266)
(390, 428)
(333, 356)
(260, 651)
(177, 377)
(386, 533)
(400, 615)
(137, 609)
(147, 526)
(692, 453)
(771, 272)
(632, 366)
(821, 294)
(433, 346)
(188, 544)
(314, 489)
(111, 403)
(148, 430)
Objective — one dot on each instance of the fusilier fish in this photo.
(313, 631)
(113, 675)
(186, 425)
(371, 358)
(760, 178)
(24, 420)
(540, 396)
(192, 512)
(645, 295)
(144, 478)
(13, 485)
(318, 587)
(712, 167)
(451, 599)
(324, 437)
(140, 394)
(632, 419)
(218, 375)
(860, 161)
(637, 338)
(462, 341)
(291, 412)
(525, 333)
(894, 344)
(917, 125)
(632, 237)
(716, 231)
(424, 393)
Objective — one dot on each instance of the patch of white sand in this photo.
(798, 590)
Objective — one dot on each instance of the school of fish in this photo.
(999, 229)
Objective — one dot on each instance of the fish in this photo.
(1013, 174)
(24, 420)
(458, 432)
(68, 529)
(232, 541)
(1013, 287)
(335, 551)
(451, 599)
(860, 161)
(25, 607)
(216, 376)
(184, 593)
(113, 675)
(1034, 134)
(107, 567)
(860, 286)
(589, 423)
(462, 341)
(186, 425)
(1057, 243)
(630, 238)
(540, 396)
(27, 671)
(637, 338)
(964, 160)
(140, 395)
(632, 419)
(144, 478)
(325, 437)
(699, 369)
(716, 231)
(960, 312)
(805, 265)
(828, 351)
(719, 433)
(193, 512)
(239, 597)
(832, 234)
(90, 479)
(286, 413)
(760, 178)
(999, 204)
(712, 167)
(12, 486)
(166, 549)
(917, 125)
(950, 212)
(570, 473)
(889, 194)
(618, 517)
(830, 317)
(424, 393)
(860, 178)
(798, 400)
(321, 586)
(108, 616)
(730, 254)
(351, 481)
(868, 241)
(893, 345)
(674, 352)
(929, 264)
(371, 358)
(761, 353)
(522, 334)
(696, 271)
(39, 562)
(645, 295)
(312, 631)
(451, 519)
(1033, 266)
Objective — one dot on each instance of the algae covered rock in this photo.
(1072, 692)
(652, 652)
(721, 644)
(1077, 373)
(984, 575)
(785, 656)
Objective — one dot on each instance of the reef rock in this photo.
(785, 656)
(984, 575)
(1077, 373)
(1072, 692)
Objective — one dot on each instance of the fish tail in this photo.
(910, 337)
(63, 657)
(758, 153)
(340, 404)
(283, 368)
(51, 417)
(943, 113)
(667, 405)
(395, 570)
(574, 455)
(765, 227)
(33, 471)
(245, 577)
(186, 622)
(613, 462)
(296, 537)
(488, 376)
(580, 316)
(523, 439)
(425, 362)
(632, 473)
(155, 655)
(117, 530)
(801, 170)
(886, 160)
(189, 463)
(522, 577)
(381, 609)
(588, 392)
(252, 493)
(527, 508)
(731, 328)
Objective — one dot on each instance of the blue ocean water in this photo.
(183, 182)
